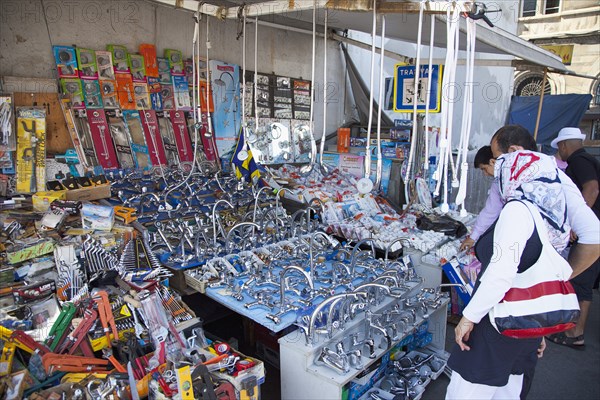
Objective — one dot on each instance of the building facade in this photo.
(570, 29)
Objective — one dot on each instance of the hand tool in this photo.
(132, 383)
(106, 316)
(23, 340)
(7, 353)
(108, 354)
(249, 388)
(6, 336)
(225, 391)
(184, 382)
(156, 375)
(61, 326)
(78, 338)
(69, 363)
(70, 158)
(202, 383)
(30, 154)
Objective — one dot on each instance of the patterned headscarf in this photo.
(527, 175)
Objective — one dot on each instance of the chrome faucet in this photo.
(256, 202)
(283, 306)
(327, 302)
(357, 249)
(310, 250)
(214, 220)
(233, 228)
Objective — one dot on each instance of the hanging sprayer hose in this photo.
(430, 66)
(195, 51)
(255, 74)
(380, 108)
(324, 134)
(415, 128)
(313, 145)
(467, 116)
(370, 124)
(444, 156)
(243, 154)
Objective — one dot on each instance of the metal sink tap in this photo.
(357, 249)
(285, 306)
(214, 220)
(331, 241)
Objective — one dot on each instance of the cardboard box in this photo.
(257, 371)
(41, 200)
(97, 217)
(89, 193)
(30, 250)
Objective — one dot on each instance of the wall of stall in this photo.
(29, 28)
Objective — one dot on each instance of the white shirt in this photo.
(513, 229)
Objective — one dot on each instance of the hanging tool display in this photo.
(31, 149)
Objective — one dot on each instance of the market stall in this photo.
(184, 174)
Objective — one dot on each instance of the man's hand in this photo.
(540, 350)
(462, 333)
(467, 244)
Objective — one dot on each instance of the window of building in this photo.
(595, 130)
(530, 84)
(551, 6)
(596, 93)
(528, 8)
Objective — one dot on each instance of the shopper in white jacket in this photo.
(486, 364)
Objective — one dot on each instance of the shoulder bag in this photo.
(541, 300)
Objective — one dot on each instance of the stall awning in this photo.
(402, 22)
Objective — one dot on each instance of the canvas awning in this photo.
(402, 21)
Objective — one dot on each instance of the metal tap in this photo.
(389, 246)
(369, 342)
(333, 243)
(356, 249)
(294, 231)
(374, 285)
(371, 325)
(320, 307)
(283, 306)
(233, 228)
(256, 197)
(214, 221)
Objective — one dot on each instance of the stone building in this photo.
(571, 29)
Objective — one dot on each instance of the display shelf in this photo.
(301, 378)
(383, 394)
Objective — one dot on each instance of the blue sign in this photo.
(404, 88)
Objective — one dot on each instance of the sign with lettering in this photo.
(564, 51)
(404, 88)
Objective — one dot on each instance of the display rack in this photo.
(302, 379)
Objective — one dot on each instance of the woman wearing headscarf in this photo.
(486, 364)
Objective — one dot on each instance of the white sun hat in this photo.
(567, 134)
